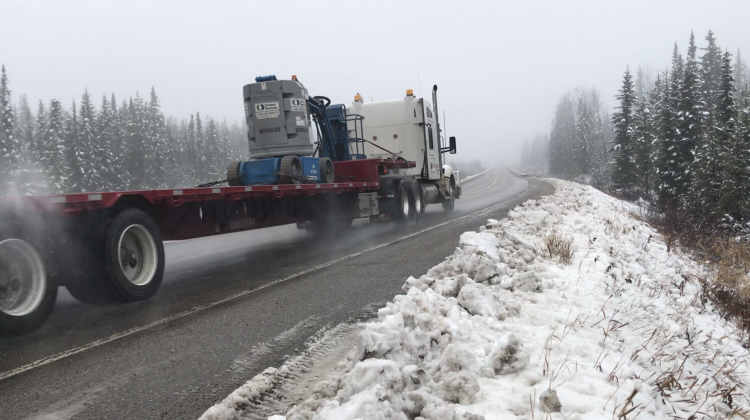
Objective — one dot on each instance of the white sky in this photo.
(500, 66)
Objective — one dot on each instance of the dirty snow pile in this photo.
(503, 329)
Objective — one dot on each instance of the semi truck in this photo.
(312, 163)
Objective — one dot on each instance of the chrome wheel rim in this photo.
(137, 256)
(23, 279)
(418, 202)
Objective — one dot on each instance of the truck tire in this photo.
(134, 255)
(402, 202)
(416, 193)
(449, 204)
(290, 170)
(27, 294)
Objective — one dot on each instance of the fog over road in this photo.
(188, 347)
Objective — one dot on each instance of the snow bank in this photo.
(502, 330)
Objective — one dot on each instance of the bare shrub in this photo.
(556, 244)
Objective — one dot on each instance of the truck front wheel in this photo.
(450, 202)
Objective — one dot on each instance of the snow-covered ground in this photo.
(502, 330)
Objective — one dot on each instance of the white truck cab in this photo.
(409, 129)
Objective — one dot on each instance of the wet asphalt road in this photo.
(188, 346)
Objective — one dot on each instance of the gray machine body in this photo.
(277, 119)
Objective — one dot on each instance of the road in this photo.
(229, 307)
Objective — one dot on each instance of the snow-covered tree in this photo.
(89, 151)
(108, 136)
(136, 143)
(731, 151)
(75, 180)
(10, 148)
(624, 176)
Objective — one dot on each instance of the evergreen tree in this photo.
(733, 173)
(30, 177)
(136, 151)
(10, 149)
(108, 137)
(191, 153)
(88, 151)
(710, 70)
(55, 158)
(40, 133)
(624, 175)
(75, 181)
(25, 128)
(161, 158)
(689, 111)
(740, 72)
(739, 169)
(671, 184)
(584, 131)
(200, 150)
(643, 137)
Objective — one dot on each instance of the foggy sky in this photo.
(500, 66)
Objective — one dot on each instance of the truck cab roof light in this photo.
(265, 78)
(409, 92)
(357, 98)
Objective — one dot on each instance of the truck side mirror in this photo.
(452, 144)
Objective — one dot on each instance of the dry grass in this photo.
(727, 257)
(556, 244)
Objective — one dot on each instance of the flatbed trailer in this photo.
(109, 245)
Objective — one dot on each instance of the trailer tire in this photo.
(402, 202)
(27, 293)
(134, 255)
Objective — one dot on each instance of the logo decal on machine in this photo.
(266, 110)
(298, 105)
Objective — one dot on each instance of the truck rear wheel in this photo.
(27, 294)
(402, 202)
(416, 193)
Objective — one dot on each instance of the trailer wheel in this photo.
(134, 255)
(290, 170)
(403, 204)
(27, 294)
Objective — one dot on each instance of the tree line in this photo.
(118, 146)
(679, 139)
(684, 144)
